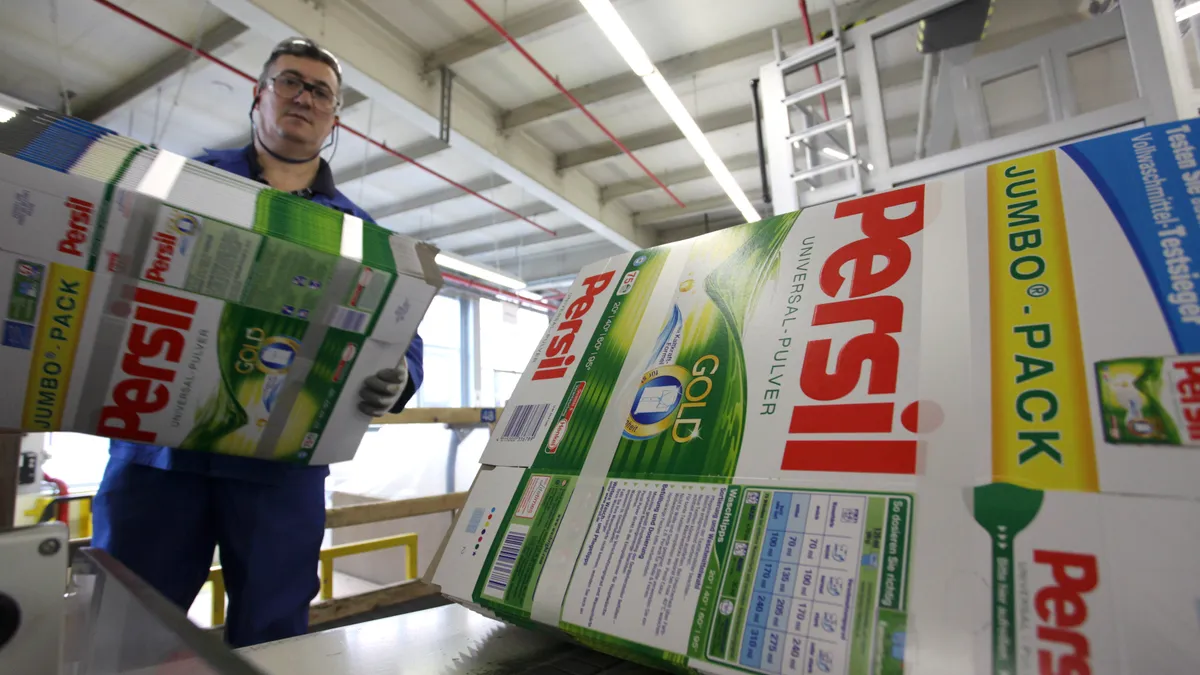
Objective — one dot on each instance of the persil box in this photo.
(133, 313)
(897, 434)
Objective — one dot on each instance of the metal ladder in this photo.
(808, 136)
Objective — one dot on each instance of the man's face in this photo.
(297, 119)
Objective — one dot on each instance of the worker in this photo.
(161, 511)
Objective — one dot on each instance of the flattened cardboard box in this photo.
(129, 313)
(758, 450)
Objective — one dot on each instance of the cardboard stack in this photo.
(160, 300)
(947, 428)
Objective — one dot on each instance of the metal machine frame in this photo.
(1164, 94)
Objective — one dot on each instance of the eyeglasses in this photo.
(289, 87)
(299, 46)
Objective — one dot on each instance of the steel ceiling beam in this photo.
(694, 227)
(533, 245)
(472, 224)
(375, 61)
(553, 79)
(639, 185)
(522, 25)
(694, 207)
(418, 151)
(216, 37)
(907, 73)
(757, 43)
(901, 129)
(558, 263)
(654, 137)
(436, 197)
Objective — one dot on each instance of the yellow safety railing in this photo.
(330, 609)
(81, 517)
(328, 555)
(217, 577)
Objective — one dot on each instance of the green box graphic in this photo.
(26, 290)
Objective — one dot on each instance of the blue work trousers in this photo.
(163, 525)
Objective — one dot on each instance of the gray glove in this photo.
(381, 390)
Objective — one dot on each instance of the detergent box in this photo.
(131, 311)
(1154, 400)
(875, 436)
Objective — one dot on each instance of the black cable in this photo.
(288, 160)
(758, 133)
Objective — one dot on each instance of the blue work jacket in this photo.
(244, 162)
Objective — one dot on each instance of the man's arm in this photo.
(375, 394)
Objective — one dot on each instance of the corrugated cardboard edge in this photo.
(427, 254)
(437, 558)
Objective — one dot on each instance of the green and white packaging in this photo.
(789, 446)
(161, 301)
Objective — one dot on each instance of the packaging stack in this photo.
(947, 428)
(164, 301)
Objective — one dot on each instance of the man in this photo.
(161, 511)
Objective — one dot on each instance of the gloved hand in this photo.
(381, 390)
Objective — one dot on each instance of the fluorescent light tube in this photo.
(614, 28)
(622, 38)
(6, 114)
(453, 262)
(1185, 13)
(679, 115)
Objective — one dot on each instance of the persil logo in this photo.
(166, 244)
(78, 226)
(558, 357)
(856, 279)
(1187, 385)
(152, 353)
(1062, 609)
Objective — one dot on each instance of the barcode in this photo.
(525, 422)
(349, 319)
(506, 559)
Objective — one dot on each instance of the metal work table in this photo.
(439, 641)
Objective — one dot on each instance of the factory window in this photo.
(441, 329)
(509, 336)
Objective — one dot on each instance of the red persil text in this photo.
(77, 227)
(826, 379)
(161, 322)
(164, 253)
(554, 364)
(1188, 386)
(1061, 610)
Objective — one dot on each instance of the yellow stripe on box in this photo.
(55, 341)
(1041, 428)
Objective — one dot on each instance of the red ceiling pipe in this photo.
(571, 97)
(383, 146)
(471, 283)
(816, 67)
